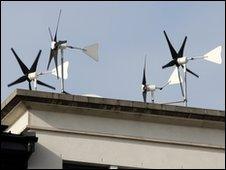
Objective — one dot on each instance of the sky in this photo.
(126, 32)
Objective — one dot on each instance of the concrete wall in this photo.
(117, 137)
(120, 142)
(128, 128)
(54, 147)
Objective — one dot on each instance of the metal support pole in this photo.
(152, 96)
(185, 85)
(35, 84)
(181, 84)
(77, 48)
(62, 70)
(197, 57)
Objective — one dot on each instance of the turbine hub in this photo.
(32, 76)
(53, 43)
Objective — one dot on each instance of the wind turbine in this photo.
(174, 79)
(180, 60)
(56, 45)
(30, 75)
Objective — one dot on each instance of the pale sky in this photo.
(125, 31)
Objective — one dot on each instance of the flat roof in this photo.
(111, 105)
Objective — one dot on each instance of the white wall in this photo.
(122, 142)
(129, 128)
(121, 152)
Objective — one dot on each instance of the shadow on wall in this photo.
(44, 158)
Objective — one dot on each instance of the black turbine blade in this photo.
(53, 54)
(144, 76)
(181, 87)
(172, 50)
(22, 65)
(19, 80)
(34, 65)
(29, 85)
(144, 95)
(191, 72)
(50, 33)
(55, 60)
(61, 42)
(50, 58)
(181, 51)
(43, 84)
(171, 63)
(55, 37)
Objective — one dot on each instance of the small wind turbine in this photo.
(180, 60)
(29, 74)
(91, 51)
(151, 87)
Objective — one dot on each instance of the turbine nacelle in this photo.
(62, 46)
(149, 87)
(182, 60)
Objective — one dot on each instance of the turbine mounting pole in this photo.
(62, 71)
(152, 97)
(35, 83)
(185, 86)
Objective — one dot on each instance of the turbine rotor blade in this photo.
(22, 65)
(29, 85)
(50, 33)
(55, 60)
(55, 37)
(171, 63)
(144, 76)
(19, 80)
(61, 42)
(181, 51)
(50, 58)
(172, 50)
(191, 72)
(53, 54)
(43, 84)
(34, 65)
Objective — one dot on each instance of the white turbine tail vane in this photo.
(174, 79)
(92, 51)
(214, 55)
(66, 64)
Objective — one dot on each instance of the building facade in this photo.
(80, 131)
